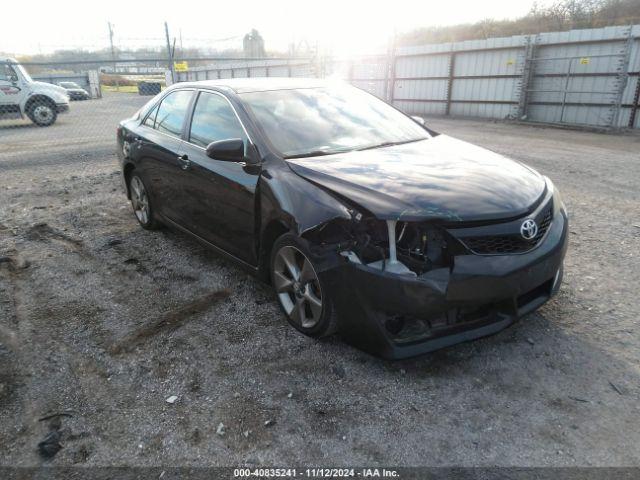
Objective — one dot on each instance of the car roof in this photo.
(263, 84)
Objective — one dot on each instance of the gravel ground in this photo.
(105, 321)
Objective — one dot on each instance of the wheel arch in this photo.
(271, 232)
(38, 98)
(127, 171)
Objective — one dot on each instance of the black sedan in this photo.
(365, 221)
(75, 91)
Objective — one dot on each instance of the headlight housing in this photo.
(60, 97)
(558, 204)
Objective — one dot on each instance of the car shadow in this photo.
(11, 124)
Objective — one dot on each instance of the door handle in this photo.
(184, 162)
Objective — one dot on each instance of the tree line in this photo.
(558, 16)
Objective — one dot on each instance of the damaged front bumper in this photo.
(397, 316)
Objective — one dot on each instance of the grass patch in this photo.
(121, 89)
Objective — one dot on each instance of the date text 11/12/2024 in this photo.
(315, 473)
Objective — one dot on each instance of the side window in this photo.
(151, 119)
(147, 107)
(172, 112)
(214, 119)
(6, 72)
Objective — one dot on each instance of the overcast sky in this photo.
(351, 26)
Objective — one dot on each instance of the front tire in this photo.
(300, 291)
(141, 203)
(43, 113)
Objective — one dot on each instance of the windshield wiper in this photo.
(316, 153)
(319, 153)
(390, 144)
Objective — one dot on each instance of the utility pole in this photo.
(169, 53)
(113, 54)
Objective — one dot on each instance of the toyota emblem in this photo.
(529, 229)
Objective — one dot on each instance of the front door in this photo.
(11, 92)
(220, 195)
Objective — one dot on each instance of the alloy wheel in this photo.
(43, 113)
(140, 200)
(297, 287)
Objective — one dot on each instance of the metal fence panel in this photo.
(421, 67)
(369, 70)
(81, 79)
(421, 90)
(279, 71)
(484, 63)
(579, 77)
(485, 89)
(481, 110)
(421, 108)
(307, 70)
(376, 88)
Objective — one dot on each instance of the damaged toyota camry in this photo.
(365, 221)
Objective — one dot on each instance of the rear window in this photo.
(169, 116)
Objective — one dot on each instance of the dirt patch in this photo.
(187, 323)
(170, 321)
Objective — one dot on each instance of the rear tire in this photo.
(43, 112)
(141, 203)
(303, 297)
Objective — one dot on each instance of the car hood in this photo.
(438, 178)
(58, 93)
(48, 86)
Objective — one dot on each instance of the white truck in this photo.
(20, 95)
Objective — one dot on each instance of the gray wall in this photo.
(581, 77)
(252, 68)
(82, 79)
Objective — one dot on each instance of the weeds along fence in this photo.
(580, 77)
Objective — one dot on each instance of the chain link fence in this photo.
(585, 77)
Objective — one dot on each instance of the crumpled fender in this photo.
(297, 203)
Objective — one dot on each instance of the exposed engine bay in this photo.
(403, 248)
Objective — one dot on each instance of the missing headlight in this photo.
(404, 248)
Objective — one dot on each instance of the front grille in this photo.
(506, 244)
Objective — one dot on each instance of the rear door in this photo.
(157, 148)
(220, 194)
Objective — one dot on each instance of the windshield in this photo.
(24, 73)
(321, 121)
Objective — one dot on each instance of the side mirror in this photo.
(231, 150)
(420, 120)
(14, 78)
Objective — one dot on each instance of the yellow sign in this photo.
(584, 61)
(511, 61)
(181, 66)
